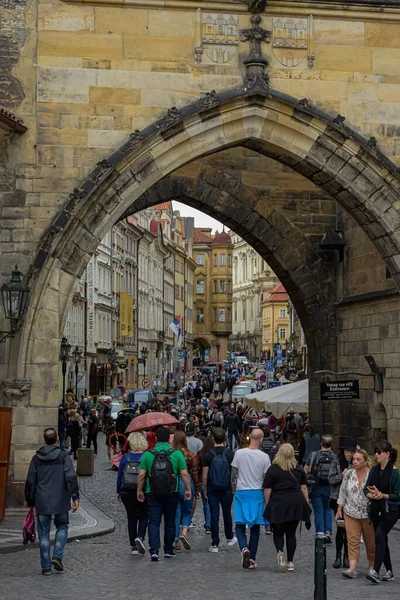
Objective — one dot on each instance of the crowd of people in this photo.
(260, 472)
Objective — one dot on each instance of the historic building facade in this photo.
(276, 320)
(123, 109)
(213, 293)
(251, 277)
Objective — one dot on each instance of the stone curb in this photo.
(103, 526)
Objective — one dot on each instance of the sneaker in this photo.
(281, 561)
(46, 571)
(185, 542)
(328, 538)
(135, 551)
(290, 566)
(140, 545)
(57, 563)
(154, 557)
(373, 576)
(253, 564)
(246, 558)
(388, 576)
(208, 530)
(213, 549)
(169, 555)
(177, 546)
(232, 542)
(349, 574)
(192, 524)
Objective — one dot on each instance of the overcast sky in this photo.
(200, 219)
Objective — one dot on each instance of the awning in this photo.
(282, 399)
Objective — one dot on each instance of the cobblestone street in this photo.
(103, 567)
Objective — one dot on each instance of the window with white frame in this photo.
(282, 333)
(200, 286)
(200, 259)
(222, 315)
(222, 286)
(222, 260)
(282, 313)
(200, 315)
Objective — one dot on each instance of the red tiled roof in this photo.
(278, 294)
(201, 237)
(162, 206)
(154, 227)
(222, 239)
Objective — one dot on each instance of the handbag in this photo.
(28, 529)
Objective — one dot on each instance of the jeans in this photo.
(231, 436)
(320, 497)
(137, 514)
(184, 508)
(253, 541)
(157, 508)
(43, 523)
(225, 499)
(267, 525)
(61, 439)
(206, 509)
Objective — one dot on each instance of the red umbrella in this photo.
(149, 420)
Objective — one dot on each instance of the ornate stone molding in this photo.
(380, 11)
(16, 391)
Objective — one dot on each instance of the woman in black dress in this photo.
(286, 497)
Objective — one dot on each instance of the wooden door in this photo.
(5, 445)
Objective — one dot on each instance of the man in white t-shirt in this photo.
(248, 469)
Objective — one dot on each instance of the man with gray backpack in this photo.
(317, 469)
(218, 488)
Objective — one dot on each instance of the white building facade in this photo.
(251, 276)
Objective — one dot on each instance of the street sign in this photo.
(263, 378)
(115, 393)
(146, 383)
(269, 366)
(272, 384)
(278, 348)
(340, 390)
(122, 389)
(279, 356)
(207, 354)
(182, 355)
(140, 361)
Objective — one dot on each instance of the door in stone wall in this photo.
(5, 445)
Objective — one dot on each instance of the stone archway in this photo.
(295, 133)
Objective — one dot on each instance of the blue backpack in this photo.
(219, 476)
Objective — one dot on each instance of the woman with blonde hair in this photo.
(353, 503)
(286, 497)
(127, 477)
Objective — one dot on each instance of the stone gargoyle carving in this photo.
(17, 390)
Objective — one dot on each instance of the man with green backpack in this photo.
(160, 469)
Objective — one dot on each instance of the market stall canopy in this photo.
(282, 399)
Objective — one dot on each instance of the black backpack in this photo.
(219, 476)
(322, 466)
(130, 476)
(162, 477)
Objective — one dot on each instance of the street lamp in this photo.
(112, 359)
(218, 347)
(14, 297)
(77, 357)
(144, 352)
(64, 358)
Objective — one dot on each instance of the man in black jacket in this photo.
(232, 424)
(50, 485)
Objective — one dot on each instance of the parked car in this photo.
(240, 391)
(115, 408)
(241, 360)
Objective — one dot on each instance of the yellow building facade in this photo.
(213, 293)
(275, 320)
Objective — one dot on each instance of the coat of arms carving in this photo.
(291, 41)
